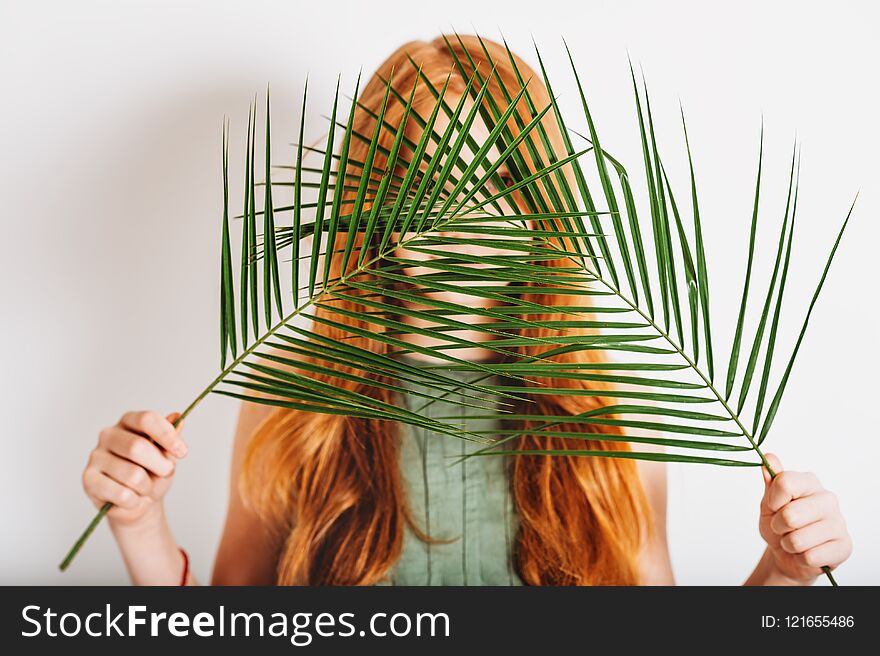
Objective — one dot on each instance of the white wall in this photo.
(110, 179)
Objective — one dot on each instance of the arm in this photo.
(150, 551)
(766, 573)
(133, 467)
(803, 527)
(248, 552)
(800, 521)
(654, 557)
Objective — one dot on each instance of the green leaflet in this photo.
(433, 242)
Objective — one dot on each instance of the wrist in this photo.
(149, 549)
(768, 572)
(151, 521)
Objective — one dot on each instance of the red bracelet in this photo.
(185, 567)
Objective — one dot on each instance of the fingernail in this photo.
(180, 449)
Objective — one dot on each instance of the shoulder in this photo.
(250, 415)
(252, 412)
(653, 474)
(655, 560)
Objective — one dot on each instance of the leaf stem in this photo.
(721, 399)
(77, 546)
(85, 536)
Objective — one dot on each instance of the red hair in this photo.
(330, 484)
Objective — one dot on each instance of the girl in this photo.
(320, 499)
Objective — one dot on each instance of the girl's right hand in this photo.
(133, 466)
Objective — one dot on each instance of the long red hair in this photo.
(330, 484)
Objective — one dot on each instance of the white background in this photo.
(110, 196)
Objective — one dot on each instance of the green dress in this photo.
(468, 503)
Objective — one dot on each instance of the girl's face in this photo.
(494, 255)
(480, 134)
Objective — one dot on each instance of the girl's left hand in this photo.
(802, 524)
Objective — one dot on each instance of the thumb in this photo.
(775, 464)
(173, 417)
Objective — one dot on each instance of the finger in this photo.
(104, 489)
(788, 486)
(174, 416)
(802, 512)
(156, 428)
(775, 464)
(804, 539)
(829, 554)
(125, 473)
(139, 450)
(183, 450)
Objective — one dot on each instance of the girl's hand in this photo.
(133, 466)
(802, 524)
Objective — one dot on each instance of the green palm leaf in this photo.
(410, 219)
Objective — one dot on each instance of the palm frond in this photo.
(413, 219)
